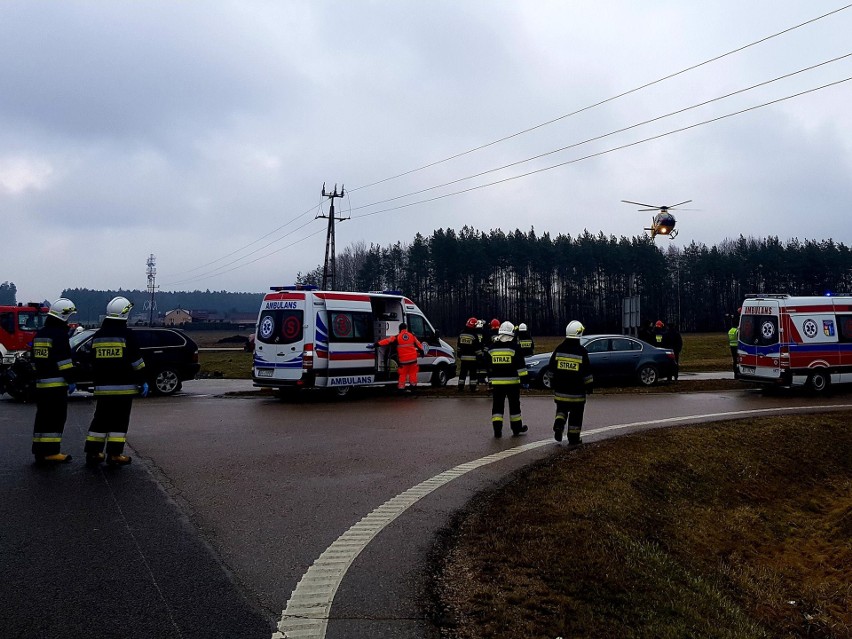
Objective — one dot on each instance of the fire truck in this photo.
(307, 338)
(18, 326)
(796, 341)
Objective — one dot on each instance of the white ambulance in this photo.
(308, 338)
(792, 341)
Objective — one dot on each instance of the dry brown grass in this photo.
(736, 529)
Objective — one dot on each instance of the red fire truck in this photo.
(18, 326)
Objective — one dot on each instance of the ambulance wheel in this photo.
(342, 391)
(819, 382)
(440, 377)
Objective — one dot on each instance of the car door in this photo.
(624, 356)
(599, 357)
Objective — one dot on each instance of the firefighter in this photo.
(733, 341)
(525, 340)
(469, 350)
(51, 355)
(407, 348)
(117, 367)
(658, 334)
(572, 380)
(482, 360)
(508, 373)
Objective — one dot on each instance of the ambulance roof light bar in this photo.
(294, 287)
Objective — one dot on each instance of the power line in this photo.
(605, 135)
(508, 137)
(605, 152)
(611, 99)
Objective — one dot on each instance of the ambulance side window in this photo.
(844, 325)
(350, 326)
(280, 327)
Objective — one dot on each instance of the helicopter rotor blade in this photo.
(641, 204)
(674, 205)
(655, 209)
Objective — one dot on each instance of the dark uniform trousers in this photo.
(51, 413)
(502, 392)
(469, 368)
(109, 425)
(570, 410)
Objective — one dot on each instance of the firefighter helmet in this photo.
(495, 324)
(471, 323)
(62, 309)
(522, 327)
(119, 308)
(480, 323)
(574, 329)
(659, 324)
(506, 328)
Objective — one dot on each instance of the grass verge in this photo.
(733, 529)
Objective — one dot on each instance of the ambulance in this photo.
(794, 341)
(307, 338)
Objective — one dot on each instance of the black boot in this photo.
(498, 429)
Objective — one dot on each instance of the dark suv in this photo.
(170, 355)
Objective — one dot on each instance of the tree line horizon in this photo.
(547, 281)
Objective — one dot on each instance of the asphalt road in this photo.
(238, 509)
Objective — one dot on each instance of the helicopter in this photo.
(663, 223)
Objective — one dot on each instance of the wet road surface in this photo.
(232, 499)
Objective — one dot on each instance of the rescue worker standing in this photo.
(469, 351)
(733, 343)
(407, 347)
(525, 340)
(571, 382)
(507, 372)
(658, 334)
(117, 366)
(51, 355)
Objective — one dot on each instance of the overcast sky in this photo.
(202, 132)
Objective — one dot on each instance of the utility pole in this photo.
(151, 305)
(330, 265)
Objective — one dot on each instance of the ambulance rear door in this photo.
(280, 339)
(759, 348)
(843, 313)
(351, 327)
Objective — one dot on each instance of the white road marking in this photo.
(307, 612)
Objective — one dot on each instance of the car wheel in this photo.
(819, 381)
(342, 391)
(440, 377)
(547, 379)
(167, 382)
(648, 375)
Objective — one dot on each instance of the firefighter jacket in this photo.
(525, 341)
(51, 355)
(116, 360)
(469, 347)
(407, 346)
(572, 371)
(658, 337)
(506, 364)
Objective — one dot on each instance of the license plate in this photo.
(747, 370)
(265, 372)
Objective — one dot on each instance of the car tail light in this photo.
(308, 357)
(670, 354)
(195, 357)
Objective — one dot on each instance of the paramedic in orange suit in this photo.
(407, 347)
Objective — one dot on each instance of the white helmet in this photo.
(62, 309)
(119, 308)
(506, 328)
(480, 323)
(522, 327)
(574, 329)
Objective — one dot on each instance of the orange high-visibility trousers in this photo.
(408, 371)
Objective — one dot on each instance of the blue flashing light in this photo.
(294, 287)
(392, 292)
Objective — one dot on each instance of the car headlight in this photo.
(533, 364)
